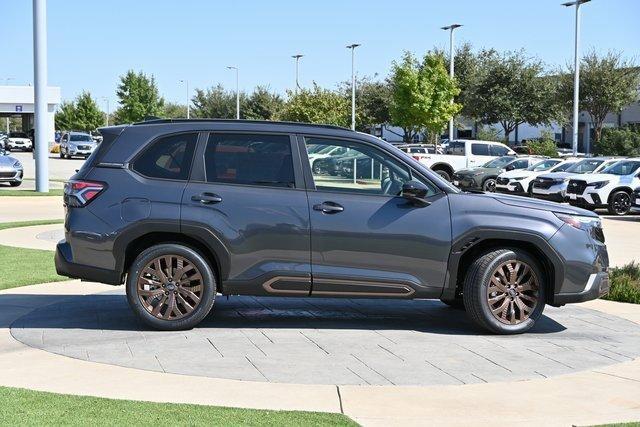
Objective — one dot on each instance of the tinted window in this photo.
(359, 168)
(585, 166)
(519, 164)
(480, 149)
(168, 158)
(85, 138)
(499, 162)
(562, 167)
(625, 167)
(18, 135)
(250, 159)
(499, 150)
(455, 148)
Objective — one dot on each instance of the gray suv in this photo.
(183, 210)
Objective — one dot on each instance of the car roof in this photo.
(242, 121)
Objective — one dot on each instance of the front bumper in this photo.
(466, 182)
(597, 286)
(65, 267)
(11, 175)
(510, 188)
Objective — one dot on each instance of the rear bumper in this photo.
(66, 267)
(597, 286)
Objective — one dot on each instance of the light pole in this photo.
(237, 92)
(40, 92)
(576, 73)
(105, 99)
(297, 58)
(186, 82)
(450, 28)
(353, 85)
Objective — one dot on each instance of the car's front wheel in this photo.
(619, 203)
(171, 287)
(489, 185)
(504, 291)
(15, 183)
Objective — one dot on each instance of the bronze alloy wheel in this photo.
(513, 292)
(170, 287)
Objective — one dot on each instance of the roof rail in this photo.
(271, 122)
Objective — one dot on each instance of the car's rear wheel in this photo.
(504, 291)
(171, 287)
(619, 203)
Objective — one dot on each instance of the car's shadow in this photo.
(111, 312)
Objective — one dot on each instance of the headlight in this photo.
(599, 184)
(578, 221)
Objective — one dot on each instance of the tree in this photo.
(173, 110)
(421, 95)
(510, 89)
(216, 102)
(138, 98)
(262, 104)
(372, 102)
(317, 105)
(488, 133)
(607, 85)
(82, 113)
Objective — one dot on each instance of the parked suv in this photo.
(183, 210)
(78, 144)
(520, 182)
(612, 188)
(553, 186)
(484, 177)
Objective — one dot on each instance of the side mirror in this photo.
(510, 168)
(416, 192)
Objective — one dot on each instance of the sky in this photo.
(91, 43)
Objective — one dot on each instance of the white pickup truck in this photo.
(464, 153)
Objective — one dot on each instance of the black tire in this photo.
(208, 283)
(15, 183)
(476, 291)
(619, 203)
(444, 174)
(489, 185)
(530, 189)
(61, 155)
(456, 303)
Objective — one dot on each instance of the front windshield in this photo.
(499, 162)
(18, 135)
(543, 165)
(563, 167)
(585, 166)
(85, 138)
(625, 167)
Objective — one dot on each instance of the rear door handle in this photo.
(328, 207)
(207, 198)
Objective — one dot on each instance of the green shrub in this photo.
(625, 284)
(489, 133)
(624, 141)
(543, 147)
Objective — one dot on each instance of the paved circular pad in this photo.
(331, 341)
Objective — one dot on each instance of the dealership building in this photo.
(19, 101)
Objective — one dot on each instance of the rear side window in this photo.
(169, 157)
(499, 150)
(480, 149)
(455, 148)
(250, 159)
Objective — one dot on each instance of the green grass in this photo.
(26, 407)
(630, 424)
(625, 284)
(52, 192)
(21, 266)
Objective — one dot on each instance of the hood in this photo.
(7, 161)
(479, 170)
(524, 202)
(517, 173)
(597, 177)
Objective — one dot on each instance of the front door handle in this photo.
(207, 198)
(328, 207)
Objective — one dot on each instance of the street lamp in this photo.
(297, 58)
(576, 72)
(353, 85)
(186, 82)
(450, 28)
(237, 92)
(105, 99)
(40, 95)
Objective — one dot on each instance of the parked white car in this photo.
(612, 188)
(520, 182)
(18, 141)
(464, 153)
(326, 152)
(553, 186)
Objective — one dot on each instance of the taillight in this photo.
(416, 157)
(78, 193)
